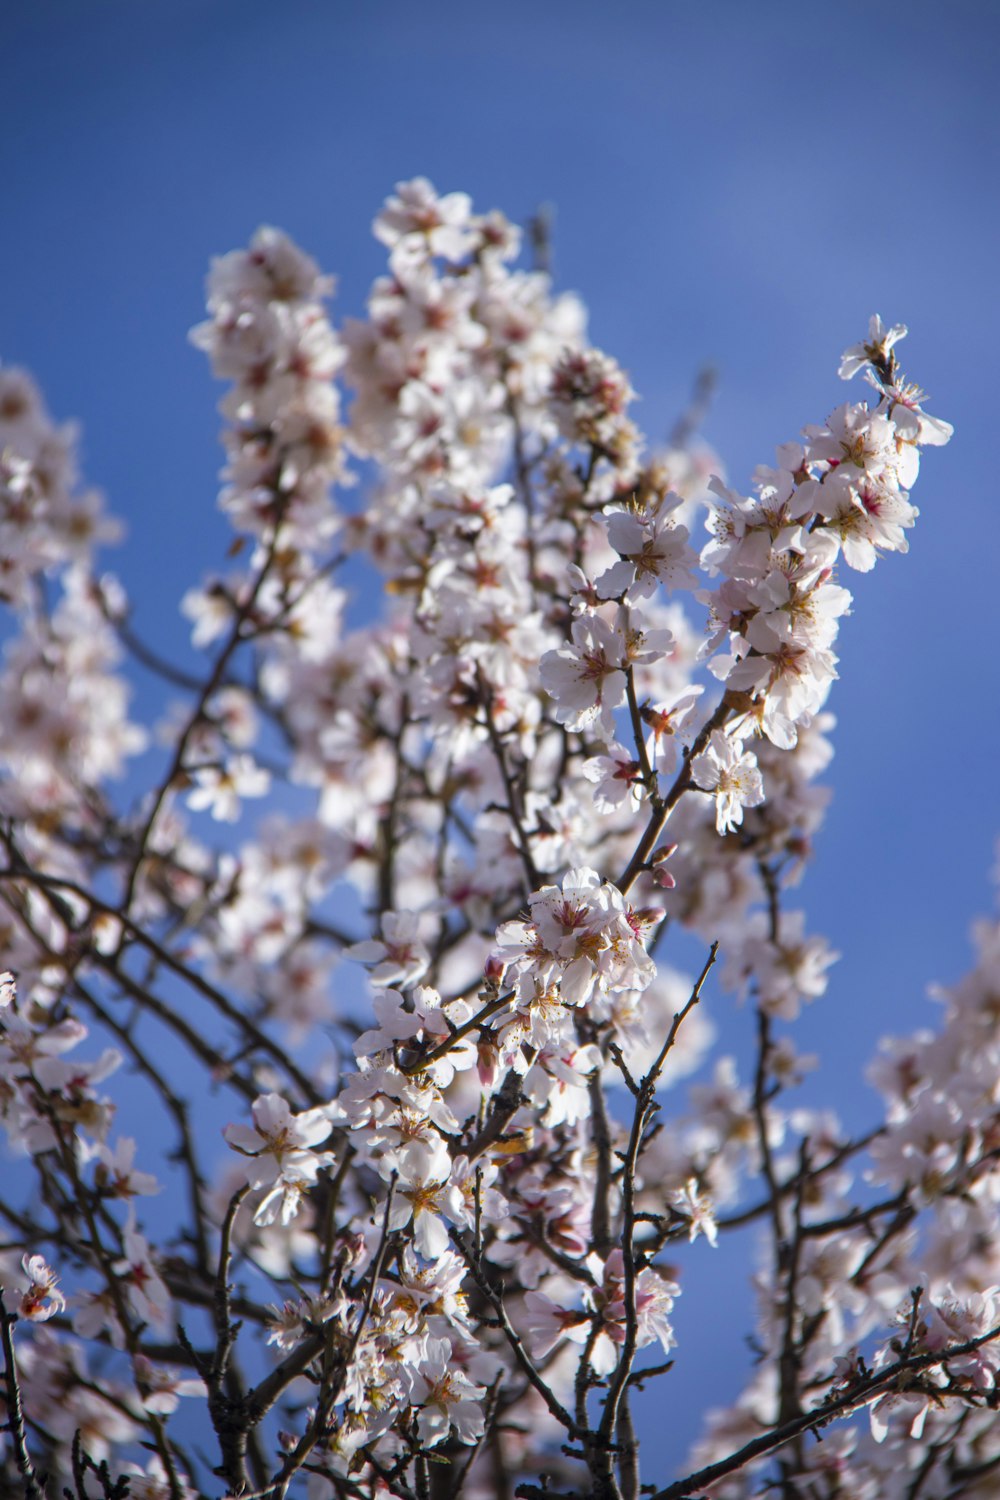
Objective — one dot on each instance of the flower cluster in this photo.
(411, 1030)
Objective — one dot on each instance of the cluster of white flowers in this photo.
(64, 728)
(581, 939)
(498, 799)
(47, 1098)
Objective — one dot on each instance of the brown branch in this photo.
(842, 1405)
(515, 807)
(645, 1107)
(600, 1216)
(111, 965)
(211, 684)
(330, 1389)
(663, 807)
(15, 1412)
(513, 1338)
(443, 1048)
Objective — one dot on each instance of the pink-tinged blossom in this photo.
(147, 1294)
(730, 772)
(936, 1324)
(116, 1177)
(668, 718)
(653, 550)
(582, 936)
(654, 1299)
(424, 1195)
(23, 1045)
(604, 1307)
(589, 396)
(548, 1323)
(56, 1379)
(442, 223)
(406, 1139)
(219, 789)
(95, 1312)
(872, 351)
(617, 779)
(791, 967)
(279, 1155)
(784, 970)
(696, 1207)
(557, 1083)
(288, 1326)
(401, 957)
(476, 1189)
(162, 1386)
(922, 1146)
(586, 680)
(745, 533)
(446, 1400)
(642, 1021)
(437, 1288)
(902, 401)
(154, 1483)
(958, 1319)
(394, 1024)
(865, 441)
(49, 1096)
(866, 517)
(42, 1297)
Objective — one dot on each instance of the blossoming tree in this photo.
(436, 1247)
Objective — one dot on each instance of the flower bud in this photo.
(493, 971)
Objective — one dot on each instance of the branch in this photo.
(513, 1338)
(645, 1106)
(662, 808)
(839, 1406)
(15, 1413)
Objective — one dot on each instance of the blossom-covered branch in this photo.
(386, 937)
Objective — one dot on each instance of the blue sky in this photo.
(731, 182)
